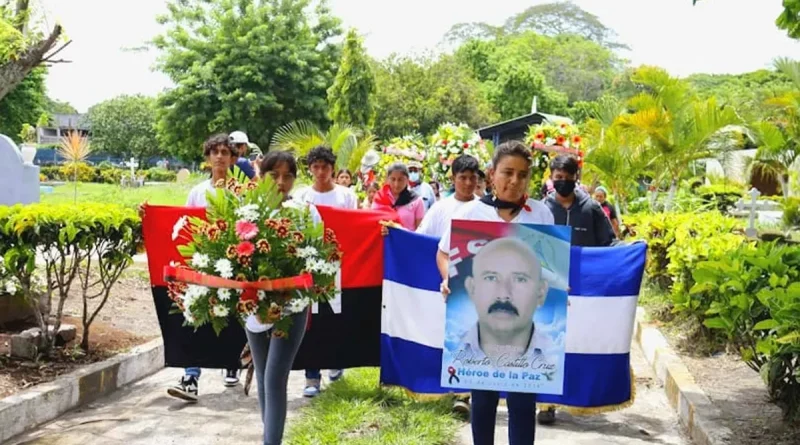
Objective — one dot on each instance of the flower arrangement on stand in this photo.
(403, 149)
(550, 140)
(451, 141)
(254, 255)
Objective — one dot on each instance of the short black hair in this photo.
(511, 148)
(465, 163)
(565, 163)
(274, 158)
(321, 153)
(215, 141)
(481, 174)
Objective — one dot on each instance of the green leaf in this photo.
(716, 323)
(790, 338)
(766, 325)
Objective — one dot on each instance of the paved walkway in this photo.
(142, 414)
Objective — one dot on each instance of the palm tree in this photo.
(679, 128)
(345, 140)
(74, 148)
(775, 155)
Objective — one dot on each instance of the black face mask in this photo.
(564, 187)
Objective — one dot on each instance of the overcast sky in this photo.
(716, 36)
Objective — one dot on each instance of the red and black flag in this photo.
(343, 333)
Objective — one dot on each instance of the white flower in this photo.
(224, 294)
(298, 305)
(11, 288)
(261, 295)
(292, 204)
(224, 268)
(200, 260)
(221, 311)
(306, 252)
(248, 212)
(188, 316)
(176, 229)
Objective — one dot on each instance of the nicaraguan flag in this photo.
(604, 292)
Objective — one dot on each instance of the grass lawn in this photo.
(356, 411)
(165, 194)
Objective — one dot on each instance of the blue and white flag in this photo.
(604, 289)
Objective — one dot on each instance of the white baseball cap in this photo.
(238, 137)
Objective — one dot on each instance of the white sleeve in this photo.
(191, 200)
(444, 242)
(353, 199)
(428, 224)
(316, 218)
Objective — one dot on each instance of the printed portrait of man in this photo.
(506, 287)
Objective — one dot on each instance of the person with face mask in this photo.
(571, 206)
(415, 183)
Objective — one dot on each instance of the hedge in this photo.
(744, 294)
(83, 245)
(103, 173)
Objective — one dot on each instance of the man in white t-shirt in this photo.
(465, 171)
(324, 191)
(418, 186)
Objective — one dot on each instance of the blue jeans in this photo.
(521, 417)
(272, 359)
(193, 372)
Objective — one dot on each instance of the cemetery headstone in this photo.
(20, 181)
(183, 175)
(751, 231)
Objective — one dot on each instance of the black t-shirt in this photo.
(609, 211)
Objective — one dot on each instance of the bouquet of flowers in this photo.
(451, 141)
(404, 149)
(254, 255)
(550, 140)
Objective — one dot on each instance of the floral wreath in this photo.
(451, 141)
(549, 140)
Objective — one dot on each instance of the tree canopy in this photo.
(243, 65)
(125, 126)
(351, 97)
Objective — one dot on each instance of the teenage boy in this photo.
(220, 157)
(324, 191)
(240, 144)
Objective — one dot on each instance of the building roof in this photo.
(520, 122)
(70, 121)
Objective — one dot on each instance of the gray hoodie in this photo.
(590, 226)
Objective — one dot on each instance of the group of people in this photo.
(497, 194)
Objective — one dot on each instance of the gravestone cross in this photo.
(751, 231)
(133, 165)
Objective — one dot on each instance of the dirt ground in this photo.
(128, 319)
(741, 395)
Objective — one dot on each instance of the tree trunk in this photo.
(673, 188)
(784, 182)
(14, 71)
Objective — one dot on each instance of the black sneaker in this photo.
(186, 389)
(231, 377)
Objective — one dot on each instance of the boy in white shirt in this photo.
(465, 172)
(324, 191)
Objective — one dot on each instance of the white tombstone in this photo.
(133, 165)
(751, 231)
(20, 182)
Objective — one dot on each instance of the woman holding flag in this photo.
(510, 174)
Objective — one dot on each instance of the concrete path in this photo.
(142, 414)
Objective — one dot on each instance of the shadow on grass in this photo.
(356, 410)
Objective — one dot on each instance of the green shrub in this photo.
(722, 196)
(68, 235)
(52, 173)
(755, 303)
(156, 174)
(105, 165)
(112, 175)
(791, 212)
(85, 173)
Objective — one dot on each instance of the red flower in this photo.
(252, 185)
(246, 306)
(283, 232)
(230, 252)
(286, 222)
(245, 261)
(272, 223)
(576, 139)
(249, 297)
(445, 142)
(466, 145)
(222, 224)
(335, 256)
(298, 236)
(231, 183)
(540, 136)
(212, 232)
(291, 249)
(238, 189)
(245, 248)
(330, 236)
(263, 246)
(560, 140)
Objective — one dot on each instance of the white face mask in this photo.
(413, 176)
